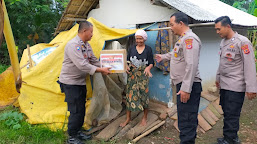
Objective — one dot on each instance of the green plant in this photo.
(12, 119)
(3, 68)
(32, 22)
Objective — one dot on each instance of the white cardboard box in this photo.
(116, 59)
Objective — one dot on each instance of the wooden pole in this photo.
(190, 25)
(12, 49)
(29, 55)
(147, 132)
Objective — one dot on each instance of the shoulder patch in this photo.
(78, 48)
(245, 49)
(189, 43)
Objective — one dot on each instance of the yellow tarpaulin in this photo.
(41, 99)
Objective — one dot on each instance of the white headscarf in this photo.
(142, 33)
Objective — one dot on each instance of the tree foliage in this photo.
(32, 22)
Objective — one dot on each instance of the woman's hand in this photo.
(128, 69)
(147, 71)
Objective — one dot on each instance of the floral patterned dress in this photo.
(137, 89)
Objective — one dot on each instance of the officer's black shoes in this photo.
(74, 140)
(228, 141)
(83, 136)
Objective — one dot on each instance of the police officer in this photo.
(79, 60)
(236, 77)
(184, 73)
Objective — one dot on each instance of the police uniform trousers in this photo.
(231, 103)
(75, 96)
(187, 114)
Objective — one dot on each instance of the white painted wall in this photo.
(209, 57)
(128, 13)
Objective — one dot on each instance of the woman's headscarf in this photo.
(142, 33)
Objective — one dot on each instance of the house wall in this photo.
(128, 13)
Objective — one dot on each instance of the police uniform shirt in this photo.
(79, 60)
(237, 70)
(184, 60)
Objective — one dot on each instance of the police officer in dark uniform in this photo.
(184, 73)
(79, 61)
(236, 77)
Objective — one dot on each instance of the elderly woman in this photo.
(140, 62)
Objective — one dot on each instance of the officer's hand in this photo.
(217, 84)
(147, 72)
(250, 95)
(184, 96)
(158, 58)
(106, 70)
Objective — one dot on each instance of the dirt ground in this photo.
(167, 134)
(247, 133)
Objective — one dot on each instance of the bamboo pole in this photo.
(12, 49)
(147, 132)
(190, 25)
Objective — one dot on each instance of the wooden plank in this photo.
(130, 125)
(217, 101)
(208, 96)
(216, 113)
(95, 129)
(89, 8)
(158, 107)
(203, 123)
(218, 108)
(163, 116)
(172, 111)
(112, 128)
(175, 116)
(201, 129)
(81, 5)
(213, 116)
(149, 131)
(135, 131)
(207, 117)
(176, 125)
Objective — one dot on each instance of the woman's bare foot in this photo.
(143, 122)
(125, 123)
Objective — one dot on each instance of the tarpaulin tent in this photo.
(40, 98)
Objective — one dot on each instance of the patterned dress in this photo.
(137, 86)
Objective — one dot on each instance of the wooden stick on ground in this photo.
(147, 132)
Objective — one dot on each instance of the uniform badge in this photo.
(175, 55)
(245, 49)
(189, 43)
(231, 46)
(228, 55)
(175, 49)
(78, 48)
